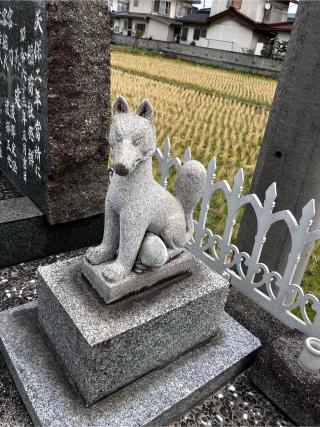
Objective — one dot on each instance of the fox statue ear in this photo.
(121, 105)
(145, 110)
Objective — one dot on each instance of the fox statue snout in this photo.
(136, 205)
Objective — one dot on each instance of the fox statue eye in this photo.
(137, 141)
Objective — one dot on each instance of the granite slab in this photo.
(182, 265)
(157, 398)
(25, 234)
(18, 209)
(280, 377)
(104, 347)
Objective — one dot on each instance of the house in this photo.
(238, 25)
(153, 19)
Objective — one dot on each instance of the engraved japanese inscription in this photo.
(23, 144)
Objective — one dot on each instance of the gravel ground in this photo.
(239, 403)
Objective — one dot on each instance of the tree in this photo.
(137, 35)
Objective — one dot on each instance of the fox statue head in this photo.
(132, 135)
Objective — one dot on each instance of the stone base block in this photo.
(104, 347)
(25, 234)
(182, 265)
(277, 373)
(155, 399)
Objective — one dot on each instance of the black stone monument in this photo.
(54, 114)
(24, 107)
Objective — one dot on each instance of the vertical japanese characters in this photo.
(21, 142)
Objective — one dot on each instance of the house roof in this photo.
(145, 16)
(197, 17)
(129, 15)
(202, 16)
(281, 26)
(261, 26)
(163, 19)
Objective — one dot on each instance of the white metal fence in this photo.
(276, 293)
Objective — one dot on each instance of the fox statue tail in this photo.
(189, 189)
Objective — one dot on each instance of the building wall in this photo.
(153, 29)
(140, 21)
(144, 6)
(120, 23)
(218, 6)
(113, 5)
(277, 13)
(254, 9)
(116, 23)
(284, 36)
(229, 34)
(226, 34)
(173, 7)
(157, 30)
(203, 42)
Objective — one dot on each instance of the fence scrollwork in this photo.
(276, 293)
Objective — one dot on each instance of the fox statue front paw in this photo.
(98, 255)
(114, 272)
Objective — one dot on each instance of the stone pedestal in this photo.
(143, 360)
(277, 373)
(104, 347)
(156, 399)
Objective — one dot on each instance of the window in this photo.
(234, 3)
(162, 7)
(237, 4)
(123, 6)
(203, 33)
(141, 28)
(184, 34)
(165, 7)
(156, 6)
(196, 34)
(182, 10)
(136, 3)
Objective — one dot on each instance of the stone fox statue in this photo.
(135, 202)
